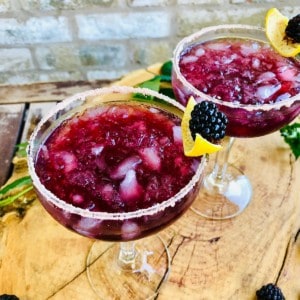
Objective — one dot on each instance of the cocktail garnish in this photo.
(282, 33)
(292, 30)
(291, 135)
(195, 142)
(208, 121)
(269, 291)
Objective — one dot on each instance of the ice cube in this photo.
(66, 160)
(45, 151)
(127, 164)
(283, 97)
(77, 199)
(88, 227)
(189, 59)
(266, 76)
(199, 52)
(286, 73)
(130, 230)
(228, 59)
(218, 46)
(130, 189)
(96, 150)
(264, 92)
(177, 134)
(151, 158)
(255, 63)
(95, 112)
(246, 50)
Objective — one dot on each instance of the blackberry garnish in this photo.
(269, 292)
(208, 121)
(292, 30)
(8, 297)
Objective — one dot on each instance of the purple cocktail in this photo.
(111, 166)
(259, 91)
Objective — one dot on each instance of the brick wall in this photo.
(51, 40)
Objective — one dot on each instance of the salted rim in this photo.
(193, 38)
(105, 215)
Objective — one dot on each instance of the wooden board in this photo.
(34, 114)
(45, 92)
(39, 259)
(11, 116)
(210, 259)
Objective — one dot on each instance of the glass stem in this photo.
(127, 256)
(217, 178)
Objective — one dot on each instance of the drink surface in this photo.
(240, 70)
(115, 158)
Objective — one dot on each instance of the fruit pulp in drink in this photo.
(244, 72)
(116, 158)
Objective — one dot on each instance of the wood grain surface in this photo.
(231, 259)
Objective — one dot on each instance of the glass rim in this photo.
(69, 208)
(192, 38)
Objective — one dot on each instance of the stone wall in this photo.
(54, 40)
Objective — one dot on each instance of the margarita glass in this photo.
(259, 91)
(109, 165)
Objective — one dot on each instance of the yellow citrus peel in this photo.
(200, 145)
(275, 26)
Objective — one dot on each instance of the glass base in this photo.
(224, 199)
(140, 279)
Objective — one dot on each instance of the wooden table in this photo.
(39, 259)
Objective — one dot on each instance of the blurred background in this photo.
(62, 40)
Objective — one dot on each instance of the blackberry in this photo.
(8, 297)
(208, 121)
(292, 30)
(269, 292)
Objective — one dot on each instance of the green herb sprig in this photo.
(20, 186)
(156, 83)
(291, 135)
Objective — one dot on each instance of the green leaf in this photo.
(11, 199)
(291, 135)
(152, 84)
(166, 68)
(21, 149)
(167, 92)
(16, 184)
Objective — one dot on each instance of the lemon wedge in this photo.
(275, 26)
(200, 145)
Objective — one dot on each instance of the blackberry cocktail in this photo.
(235, 67)
(112, 167)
